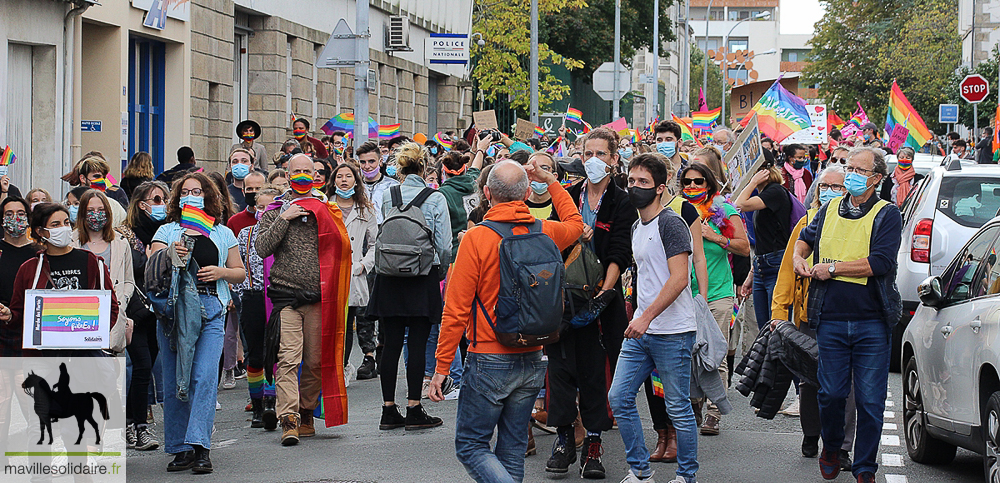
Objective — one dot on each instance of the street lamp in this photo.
(725, 44)
(481, 43)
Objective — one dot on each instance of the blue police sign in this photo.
(947, 113)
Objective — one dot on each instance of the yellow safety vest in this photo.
(846, 240)
(675, 204)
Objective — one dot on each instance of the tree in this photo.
(713, 96)
(501, 65)
(988, 108)
(587, 32)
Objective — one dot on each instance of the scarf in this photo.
(713, 212)
(904, 183)
(798, 186)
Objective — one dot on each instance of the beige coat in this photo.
(122, 275)
(362, 228)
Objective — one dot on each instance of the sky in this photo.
(798, 16)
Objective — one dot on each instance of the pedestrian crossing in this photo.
(892, 451)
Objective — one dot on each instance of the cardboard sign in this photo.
(815, 134)
(485, 120)
(67, 319)
(523, 130)
(745, 157)
(898, 137)
(618, 125)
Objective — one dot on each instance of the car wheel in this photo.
(991, 436)
(921, 446)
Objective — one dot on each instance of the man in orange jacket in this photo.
(500, 383)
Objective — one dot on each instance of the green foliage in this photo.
(713, 95)
(860, 46)
(987, 108)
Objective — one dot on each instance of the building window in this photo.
(738, 14)
(737, 44)
(794, 55)
(711, 44)
(715, 14)
(738, 74)
(146, 98)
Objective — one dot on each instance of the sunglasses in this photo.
(839, 160)
(690, 181)
(157, 200)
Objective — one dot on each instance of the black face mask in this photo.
(251, 198)
(641, 197)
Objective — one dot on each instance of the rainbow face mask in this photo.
(248, 137)
(299, 134)
(695, 196)
(301, 183)
(100, 184)
(904, 163)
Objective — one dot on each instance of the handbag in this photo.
(584, 277)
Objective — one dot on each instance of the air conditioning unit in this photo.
(397, 34)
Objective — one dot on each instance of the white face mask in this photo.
(60, 237)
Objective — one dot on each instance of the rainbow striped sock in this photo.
(255, 380)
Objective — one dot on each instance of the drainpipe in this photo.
(71, 137)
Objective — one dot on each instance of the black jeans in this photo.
(253, 318)
(366, 332)
(394, 329)
(137, 399)
(578, 362)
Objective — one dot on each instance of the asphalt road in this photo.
(749, 449)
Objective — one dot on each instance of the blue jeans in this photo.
(857, 350)
(765, 274)
(498, 393)
(430, 361)
(670, 355)
(190, 423)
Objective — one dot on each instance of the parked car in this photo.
(947, 208)
(951, 359)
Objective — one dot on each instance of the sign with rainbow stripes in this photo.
(67, 319)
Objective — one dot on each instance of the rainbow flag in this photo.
(445, 143)
(587, 127)
(539, 131)
(996, 130)
(687, 134)
(345, 122)
(779, 113)
(556, 148)
(705, 119)
(574, 115)
(900, 111)
(387, 131)
(197, 220)
(7, 157)
(70, 314)
(853, 125)
(100, 184)
(657, 383)
(652, 125)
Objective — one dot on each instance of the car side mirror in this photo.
(930, 292)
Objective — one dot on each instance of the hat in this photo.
(420, 138)
(572, 166)
(244, 124)
(870, 125)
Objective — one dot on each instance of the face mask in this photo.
(432, 185)
(434, 151)
(241, 171)
(625, 153)
(301, 183)
(158, 212)
(856, 184)
(385, 157)
(667, 148)
(96, 220)
(695, 196)
(60, 237)
(72, 213)
(100, 184)
(868, 137)
(370, 175)
(258, 214)
(904, 163)
(597, 170)
(826, 195)
(15, 224)
(798, 164)
(299, 134)
(195, 201)
(251, 198)
(721, 148)
(539, 188)
(33, 205)
(247, 137)
(641, 197)
(318, 184)
(345, 193)
(391, 171)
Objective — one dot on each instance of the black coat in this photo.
(764, 375)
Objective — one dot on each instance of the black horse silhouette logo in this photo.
(51, 406)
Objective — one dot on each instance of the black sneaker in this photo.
(810, 446)
(367, 369)
(129, 436)
(417, 418)
(590, 458)
(257, 408)
(239, 371)
(845, 460)
(563, 455)
(144, 441)
(182, 461)
(391, 419)
(270, 415)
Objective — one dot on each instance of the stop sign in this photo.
(973, 88)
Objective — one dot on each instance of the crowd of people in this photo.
(396, 243)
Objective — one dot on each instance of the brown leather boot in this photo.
(670, 454)
(289, 429)
(531, 443)
(661, 446)
(306, 427)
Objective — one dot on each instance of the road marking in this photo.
(889, 459)
(889, 415)
(895, 479)
(890, 440)
(888, 394)
(888, 426)
(230, 442)
(889, 404)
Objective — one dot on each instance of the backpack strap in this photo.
(419, 199)
(507, 229)
(397, 196)
(474, 319)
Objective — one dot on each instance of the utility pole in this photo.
(361, 77)
(653, 105)
(686, 68)
(704, 68)
(616, 103)
(534, 61)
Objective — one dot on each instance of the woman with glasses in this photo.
(539, 200)
(904, 178)
(212, 263)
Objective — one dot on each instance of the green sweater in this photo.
(456, 190)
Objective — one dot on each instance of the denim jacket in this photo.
(224, 240)
(435, 211)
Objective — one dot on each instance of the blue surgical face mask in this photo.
(597, 170)
(195, 201)
(539, 188)
(667, 148)
(434, 151)
(345, 193)
(826, 195)
(73, 210)
(625, 153)
(158, 212)
(856, 184)
(241, 171)
(721, 148)
(390, 171)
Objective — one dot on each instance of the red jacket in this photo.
(240, 221)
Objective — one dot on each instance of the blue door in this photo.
(145, 99)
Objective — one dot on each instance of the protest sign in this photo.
(67, 319)
(523, 130)
(745, 157)
(898, 137)
(815, 134)
(485, 120)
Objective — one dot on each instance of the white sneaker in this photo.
(229, 379)
(792, 409)
(631, 478)
(425, 389)
(453, 395)
(350, 373)
(680, 479)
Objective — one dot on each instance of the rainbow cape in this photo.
(900, 111)
(387, 131)
(574, 115)
(779, 113)
(7, 157)
(705, 119)
(687, 134)
(345, 122)
(197, 220)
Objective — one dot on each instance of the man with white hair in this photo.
(500, 383)
(723, 138)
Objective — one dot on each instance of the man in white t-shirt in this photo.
(663, 327)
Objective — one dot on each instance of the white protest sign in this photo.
(67, 319)
(815, 134)
(745, 157)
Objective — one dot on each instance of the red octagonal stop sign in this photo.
(973, 88)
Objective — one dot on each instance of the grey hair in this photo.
(906, 151)
(730, 136)
(878, 158)
(832, 168)
(501, 190)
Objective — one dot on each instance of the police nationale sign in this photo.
(447, 49)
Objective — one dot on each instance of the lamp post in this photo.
(472, 65)
(704, 69)
(725, 44)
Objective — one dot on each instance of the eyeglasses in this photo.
(156, 200)
(861, 171)
(694, 181)
(192, 192)
(835, 187)
(591, 154)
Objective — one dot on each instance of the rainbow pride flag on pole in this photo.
(7, 157)
(345, 122)
(574, 115)
(901, 112)
(687, 134)
(539, 131)
(387, 131)
(197, 220)
(704, 119)
(779, 113)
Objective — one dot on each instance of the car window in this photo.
(969, 201)
(913, 201)
(962, 279)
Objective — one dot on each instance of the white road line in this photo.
(889, 459)
(895, 479)
(889, 404)
(890, 440)
(889, 415)
(888, 426)
(888, 394)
